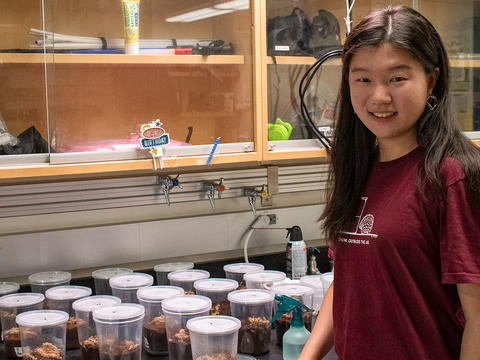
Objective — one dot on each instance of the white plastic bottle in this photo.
(296, 254)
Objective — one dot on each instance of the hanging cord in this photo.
(277, 88)
(310, 73)
(305, 83)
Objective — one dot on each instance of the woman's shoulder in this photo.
(451, 171)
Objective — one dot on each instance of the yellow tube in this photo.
(131, 14)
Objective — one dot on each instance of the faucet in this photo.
(214, 187)
(167, 183)
(252, 194)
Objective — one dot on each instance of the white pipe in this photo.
(250, 231)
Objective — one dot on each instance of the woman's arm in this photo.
(470, 298)
(321, 340)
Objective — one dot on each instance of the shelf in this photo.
(308, 60)
(20, 58)
(45, 172)
(301, 60)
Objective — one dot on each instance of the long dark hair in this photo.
(354, 150)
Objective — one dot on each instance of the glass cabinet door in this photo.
(458, 23)
(193, 72)
(23, 112)
(297, 33)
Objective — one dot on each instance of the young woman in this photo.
(403, 213)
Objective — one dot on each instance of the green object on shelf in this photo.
(281, 130)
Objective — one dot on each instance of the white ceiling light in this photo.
(234, 4)
(220, 9)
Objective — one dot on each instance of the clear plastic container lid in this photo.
(187, 304)
(107, 273)
(215, 285)
(243, 268)
(8, 287)
(21, 300)
(68, 292)
(327, 276)
(313, 280)
(158, 293)
(91, 303)
(251, 296)
(265, 276)
(214, 324)
(41, 318)
(49, 278)
(174, 266)
(245, 357)
(188, 275)
(131, 281)
(292, 289)
(119, 313)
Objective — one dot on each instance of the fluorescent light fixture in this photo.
(198, 15)
(234, 5)
(220, 9)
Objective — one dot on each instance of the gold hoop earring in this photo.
(432, 102)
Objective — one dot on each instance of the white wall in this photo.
(96, 247)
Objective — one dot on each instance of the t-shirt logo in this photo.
(363, 227)
(366, 224)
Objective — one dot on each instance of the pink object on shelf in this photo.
(130, 143)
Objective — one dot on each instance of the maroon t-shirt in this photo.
(395, 271)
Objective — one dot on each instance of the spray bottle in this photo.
(296, 254)
(294, 338)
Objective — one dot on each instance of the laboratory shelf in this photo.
(22, 58)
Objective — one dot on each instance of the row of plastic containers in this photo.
(216, 322)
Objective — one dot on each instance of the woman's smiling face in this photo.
(389, 89)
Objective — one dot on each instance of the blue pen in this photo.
(213, 150)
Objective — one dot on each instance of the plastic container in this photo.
(327, 279)
(42, 281)
(315, 282)
(101, 278)
(214, 337)
(43, 334)
(154, 329)
(5, 289)
(87, 333)
(178, 310)
(217, 290)
(119, 331)
(186, 278)
(253, 307)
(162, 270)
(10, 306)
(264, 279)
(62, 298)
(300, 292)
(125, 286)
(236, 271)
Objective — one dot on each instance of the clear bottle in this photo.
(296, 254)
(296, 337)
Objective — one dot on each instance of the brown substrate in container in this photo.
(217, 356)
(72, 335)
(254, 336)
(124, 350)
(179, 347)
(221, 308)
(89, 348)
(282, 324)
(189, 292)
(155, 336)
(47, 351)
(12, 341)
